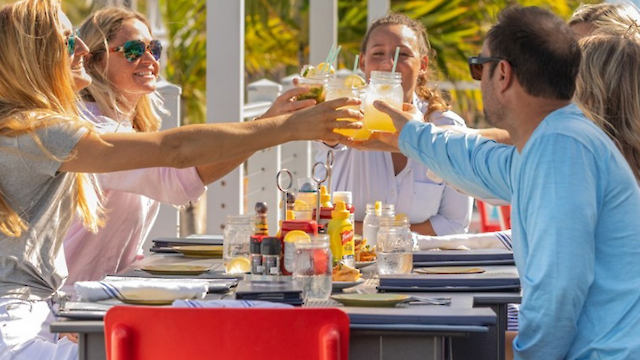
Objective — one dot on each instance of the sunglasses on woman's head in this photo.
(134, 49)
(71, 42)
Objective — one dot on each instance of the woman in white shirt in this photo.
(433, 207)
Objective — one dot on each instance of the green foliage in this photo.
(186, 54)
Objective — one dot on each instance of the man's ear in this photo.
(505, 74)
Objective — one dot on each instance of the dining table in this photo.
(471, 326)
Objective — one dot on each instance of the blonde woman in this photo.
(608, 84)
(122, 98)
(44, 145)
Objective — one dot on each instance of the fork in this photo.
(417, 300)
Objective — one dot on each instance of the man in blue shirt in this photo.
(575, 202)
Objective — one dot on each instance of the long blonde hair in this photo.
(621, 13)
(36, 92)
(431, 94)
(608, 87)
(96, 31)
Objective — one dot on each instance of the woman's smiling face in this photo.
(381, 49)
(132, 79)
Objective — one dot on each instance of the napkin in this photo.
(228, 304)
(137, 289)
(492, 240)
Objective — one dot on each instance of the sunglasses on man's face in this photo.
(476, 63)
(71, 42)
(134, 49)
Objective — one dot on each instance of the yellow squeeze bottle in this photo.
(340, 230)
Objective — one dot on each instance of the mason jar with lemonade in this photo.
(352, 86)
(386, 86)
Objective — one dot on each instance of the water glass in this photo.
(395, 245)
(312, 267)
(236, 239)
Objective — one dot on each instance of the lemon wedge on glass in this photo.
(238, 265)
(354, 81)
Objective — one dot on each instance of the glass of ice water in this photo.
(394, 246)
(312, 267)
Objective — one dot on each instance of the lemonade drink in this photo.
(350, 87)
(338, 90)
(386, 86)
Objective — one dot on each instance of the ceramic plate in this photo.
(339, 285)
(370, 300)
(361, 264)
(200, 251)
(450, 270)
(176, 269)
(147, 302)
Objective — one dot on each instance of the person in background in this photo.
(47, 149)
(432, 207)
(123, 61)
(570, 188)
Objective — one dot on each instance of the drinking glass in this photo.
(337, 89)
(371, 221)
(236, 239)
(312, 267)
(316, 83)
(395, 246)
(385, 86)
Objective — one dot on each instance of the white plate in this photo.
(339, 285)
(361, 264)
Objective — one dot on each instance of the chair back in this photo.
(145, 333)
(489, 225)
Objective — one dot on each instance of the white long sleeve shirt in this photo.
(369, 175)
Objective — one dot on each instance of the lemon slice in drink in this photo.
(322, 68)
(354, 81)
(238, 265)
(297, 236)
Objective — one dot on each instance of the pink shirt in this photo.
(132, 199)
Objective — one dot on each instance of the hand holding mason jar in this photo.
(395, 246)
(353, 86)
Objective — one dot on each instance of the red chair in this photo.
(144, 333)
(487, 225)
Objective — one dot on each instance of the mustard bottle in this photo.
(340, 230)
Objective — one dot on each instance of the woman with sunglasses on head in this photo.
(46, 148)
(433, 207)
(123, 62)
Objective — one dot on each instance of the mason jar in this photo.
(316, 83)
(371, 221)
(337, 89)
(236, 240)
(395, 246)
(386, 86)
